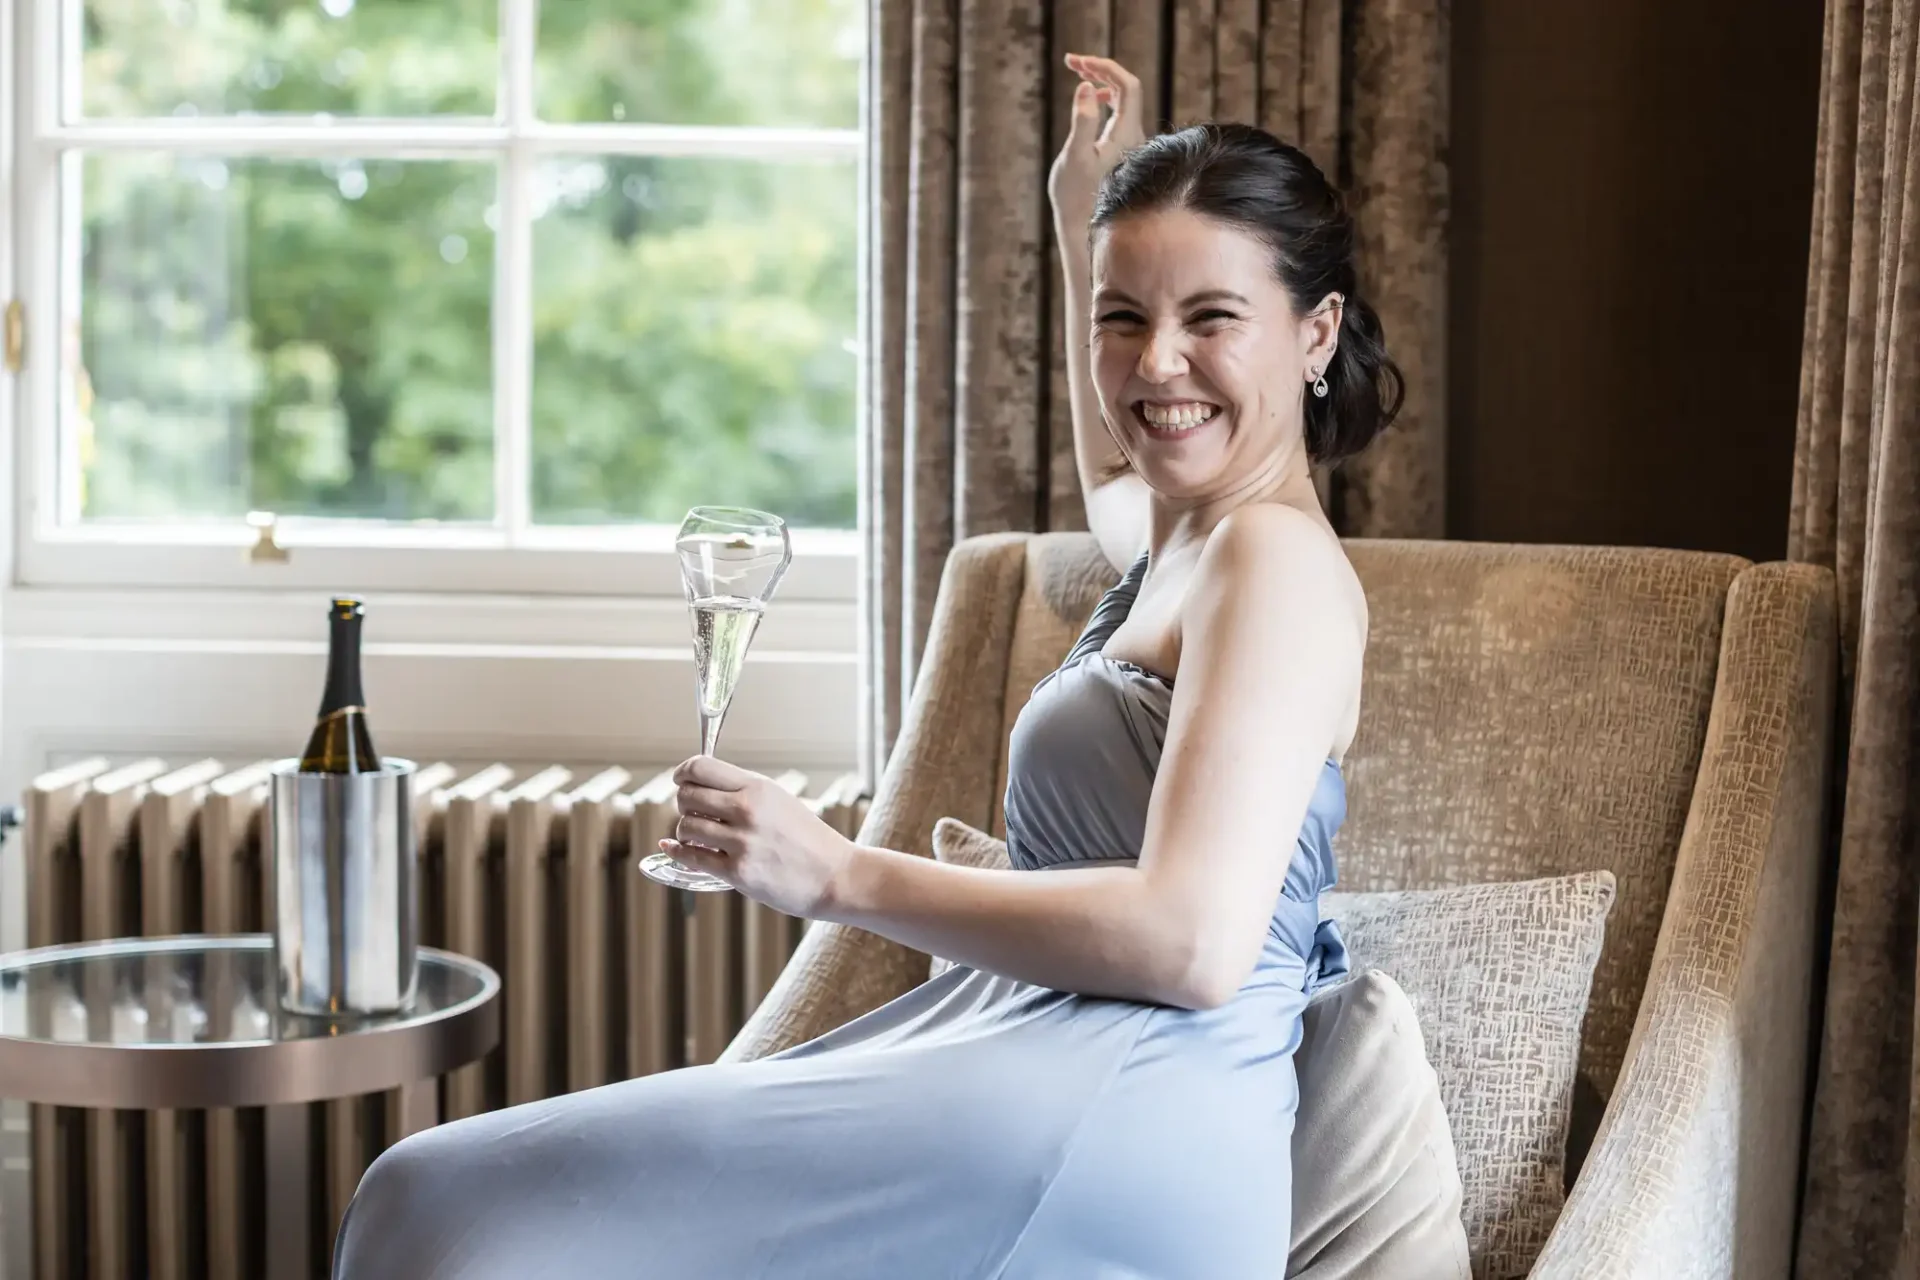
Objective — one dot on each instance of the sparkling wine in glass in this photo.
(731, 560)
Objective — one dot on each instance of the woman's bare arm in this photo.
(1270, 662)
(1116, 499)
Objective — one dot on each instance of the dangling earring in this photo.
(1320, 384)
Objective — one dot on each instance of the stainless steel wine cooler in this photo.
(344, 920)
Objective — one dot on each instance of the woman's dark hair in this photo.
(1245, 177)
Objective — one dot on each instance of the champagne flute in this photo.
(731, 560)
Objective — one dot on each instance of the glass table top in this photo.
(199, 990)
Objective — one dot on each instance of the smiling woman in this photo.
(1103, 1082)
(1224, 282)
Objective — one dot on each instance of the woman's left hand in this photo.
(756, 835)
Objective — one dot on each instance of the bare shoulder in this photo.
(1274, 632)
(1274, 558)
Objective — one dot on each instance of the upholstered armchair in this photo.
(1528, 711)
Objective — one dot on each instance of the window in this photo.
(468, 293)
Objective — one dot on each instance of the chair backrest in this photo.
(1527, 711)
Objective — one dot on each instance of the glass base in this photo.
(667, 870)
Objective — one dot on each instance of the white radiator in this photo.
(605, 975)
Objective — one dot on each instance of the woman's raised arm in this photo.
(1116, 499)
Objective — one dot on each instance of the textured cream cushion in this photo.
(1499, 976)
(1376, 1189)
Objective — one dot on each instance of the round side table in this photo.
(191, 1022)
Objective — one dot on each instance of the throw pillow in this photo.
(1376, 1190)
(1499, 975)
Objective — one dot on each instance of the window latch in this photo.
(265, 549)
(16, 337)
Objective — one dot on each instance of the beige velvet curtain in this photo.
(1856, 509)
(966, 426)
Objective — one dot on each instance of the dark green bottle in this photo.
(341, 741)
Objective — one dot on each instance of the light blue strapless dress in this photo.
(975, 1128)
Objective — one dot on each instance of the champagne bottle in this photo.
(341, 742)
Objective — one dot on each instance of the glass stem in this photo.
(710, 733)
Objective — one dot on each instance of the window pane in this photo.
(305, 336)
(693, 338)
(348, 57)
(760, 62)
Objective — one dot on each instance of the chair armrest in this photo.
(946, 762)
(1694, 1170)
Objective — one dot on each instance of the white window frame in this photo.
(511, 557)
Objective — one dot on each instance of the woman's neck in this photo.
(1178, 524)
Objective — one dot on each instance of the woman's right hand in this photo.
(1091, 151)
